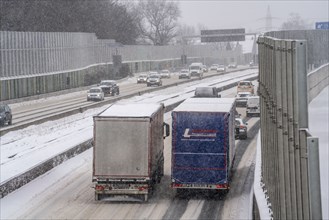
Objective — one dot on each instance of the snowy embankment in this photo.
(33, 146)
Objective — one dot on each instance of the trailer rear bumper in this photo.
(200, 186)
(122, 192)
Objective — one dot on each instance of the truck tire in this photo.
(181, 193)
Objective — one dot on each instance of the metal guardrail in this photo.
(289, 171)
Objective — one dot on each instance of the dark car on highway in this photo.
(206, 92)
(109, 87)
(5, 115)
(154, 80)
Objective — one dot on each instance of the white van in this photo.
(253, 107)
(196, 69)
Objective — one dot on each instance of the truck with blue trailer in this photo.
(203, 144)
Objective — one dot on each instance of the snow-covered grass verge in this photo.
(260, 195)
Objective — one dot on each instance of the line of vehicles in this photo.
(245, 98)
(153, 78)
(105, 87)
(128, 146)
(194, 70)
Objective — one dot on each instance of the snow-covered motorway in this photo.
(65, 192)
(27, 113)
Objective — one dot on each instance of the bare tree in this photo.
(158, 20)
(184, 34)
(295, 22)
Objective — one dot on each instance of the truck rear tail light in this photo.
(99, 188)
(142, 188)
(177, 185)
(222, 186)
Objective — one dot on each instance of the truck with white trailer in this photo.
(203, 144)
(128, 151)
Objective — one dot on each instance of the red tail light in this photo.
(222, 186)
(142, 188)
(177, 185)
(99, 188)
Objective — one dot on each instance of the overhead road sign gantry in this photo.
(223, 35)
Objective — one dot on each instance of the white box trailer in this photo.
(128, 150)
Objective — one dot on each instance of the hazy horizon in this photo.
(217, 14)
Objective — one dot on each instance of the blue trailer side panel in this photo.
(200, 147)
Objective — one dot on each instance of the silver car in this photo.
(241, 130)
(184, 73)
(142, 78)
(95, 93)
(242, 98)
(165, 74)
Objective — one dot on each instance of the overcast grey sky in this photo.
(217, 14)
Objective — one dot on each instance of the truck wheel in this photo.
(181, 193)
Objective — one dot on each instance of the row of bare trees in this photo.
(128, 22)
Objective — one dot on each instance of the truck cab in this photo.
(196, 69)
(253, 107)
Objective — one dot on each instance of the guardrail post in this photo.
(279, 98)
(300, 98)
(314, 177)
(285, 146)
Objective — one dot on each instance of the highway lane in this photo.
(65, 192)
(53, 107)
